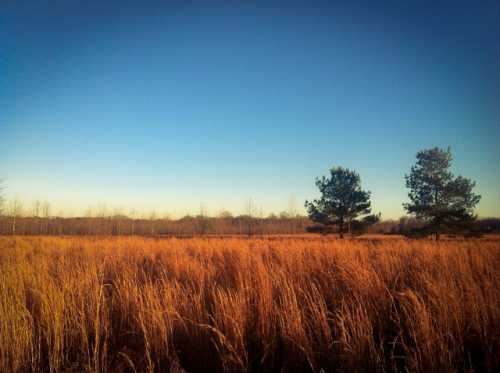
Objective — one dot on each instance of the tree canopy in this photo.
(439, 198)
(342, 201)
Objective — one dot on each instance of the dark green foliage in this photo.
(444, 202)
(321, 229)
(489, 225)
(342, 202)
(360, 226)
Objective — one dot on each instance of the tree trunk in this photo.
(437, 226)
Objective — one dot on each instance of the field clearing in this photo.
(130, 304)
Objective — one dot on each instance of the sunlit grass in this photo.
(134, 304)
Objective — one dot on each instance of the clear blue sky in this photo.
(164, 105)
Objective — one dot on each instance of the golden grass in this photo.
(136, 304)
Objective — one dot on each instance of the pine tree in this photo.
(342, 202)
(443, 201)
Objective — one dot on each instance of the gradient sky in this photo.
(166, 106)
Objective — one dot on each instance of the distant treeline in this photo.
(406, 226)
(198, 225)
(122, 225)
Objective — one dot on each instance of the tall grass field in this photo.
(288, 304)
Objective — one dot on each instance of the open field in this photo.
(258, 305)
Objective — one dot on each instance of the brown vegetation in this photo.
(135, 304)
(242, 225)
(123, 225)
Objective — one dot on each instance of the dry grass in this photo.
(134, 304)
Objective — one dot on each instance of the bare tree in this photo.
(89, 215)
(292, 206)
(102, 210)
(46, 215)
(1, 197)
(260, 216)
(250, 212)
(46, 209)
(35, 210)
(292, 212)
(15, 211)
(116, 220)
(203, 223)
(152, 219)
(224, 214)
(132, 214)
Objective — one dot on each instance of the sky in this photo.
(169, 106)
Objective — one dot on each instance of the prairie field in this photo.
(130, 304)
